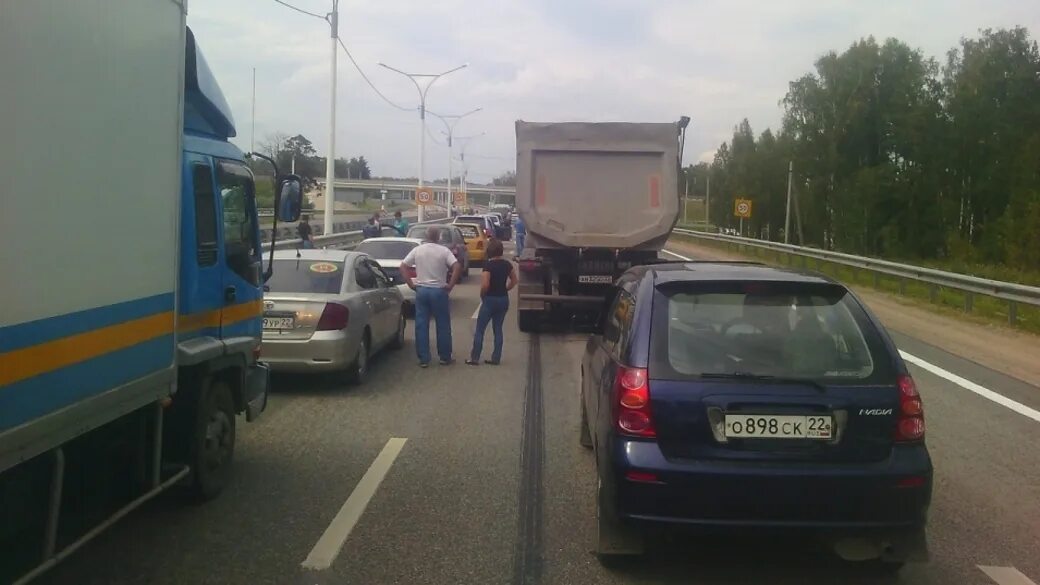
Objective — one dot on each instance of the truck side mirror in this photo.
(290, 198)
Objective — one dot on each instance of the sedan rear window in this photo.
(386, 250)
(306, 276)
(766, 329)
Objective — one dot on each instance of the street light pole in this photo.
(330, 158)
(450, 133)
(422, 116)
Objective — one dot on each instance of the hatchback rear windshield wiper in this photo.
(762, 378)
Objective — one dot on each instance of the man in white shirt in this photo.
(433, 263)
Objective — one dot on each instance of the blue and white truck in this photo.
(131, 281)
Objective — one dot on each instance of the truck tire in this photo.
(528, 320)
(213, 440)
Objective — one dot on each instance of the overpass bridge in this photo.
(355, 189)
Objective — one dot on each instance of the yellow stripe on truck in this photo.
(34, 360)
(212, 319)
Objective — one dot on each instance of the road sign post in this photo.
(424, 196)
(742, 209)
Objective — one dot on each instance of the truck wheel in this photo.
(213, 445)
(528, 321)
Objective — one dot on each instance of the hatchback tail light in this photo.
(632, 406)
(334, 317)
(910, 419)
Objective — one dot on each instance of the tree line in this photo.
(898, 156)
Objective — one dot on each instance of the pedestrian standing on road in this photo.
(520, 231)
(432, 262)
(372, 229)
(400, 224)
(498, 278)
(306, 233)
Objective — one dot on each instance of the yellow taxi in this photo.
(476, 241)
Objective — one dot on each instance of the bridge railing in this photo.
(345, 239)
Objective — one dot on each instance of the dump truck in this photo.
(132, 285)
(596, 199)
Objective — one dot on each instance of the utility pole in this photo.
(787, 216)
(686, 202)
(422, 116)
(707, 199)
(252, 123)
(330, 158)
(449, 127)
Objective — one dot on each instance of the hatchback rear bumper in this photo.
(844, 497)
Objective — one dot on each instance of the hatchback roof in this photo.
(729, 271)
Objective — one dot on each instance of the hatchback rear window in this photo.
(468, 231)
(386, 250)
(766, 329)
(306, 276)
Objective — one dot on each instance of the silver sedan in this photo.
(329, 311)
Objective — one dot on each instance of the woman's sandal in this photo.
(491, 362)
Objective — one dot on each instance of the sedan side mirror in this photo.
(290, 198)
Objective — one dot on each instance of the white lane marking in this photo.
(1006, 575)
(972, 386)
(328, 546)
(679, 256)
(477, 311)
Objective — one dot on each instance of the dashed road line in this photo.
(1006, 575)
(331, 542)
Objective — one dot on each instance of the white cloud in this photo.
(715, 61)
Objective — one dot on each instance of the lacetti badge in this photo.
(875, 411)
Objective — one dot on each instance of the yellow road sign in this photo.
(742, 208)
(424, 196)
(460, 198)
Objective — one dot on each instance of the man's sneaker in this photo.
(447, 362)
(424, 364)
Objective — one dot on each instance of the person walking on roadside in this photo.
(306, 233)
(520, 230)
(498, 278)
(432, 262)
(400, 224)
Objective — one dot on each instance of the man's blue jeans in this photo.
(430, 301)
(493, 310)
(520, 243)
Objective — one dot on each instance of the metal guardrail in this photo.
(1011, 293)
(348, 238)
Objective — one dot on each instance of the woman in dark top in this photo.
(499, 278)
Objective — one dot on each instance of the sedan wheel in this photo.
(359, 369)
(398, 341)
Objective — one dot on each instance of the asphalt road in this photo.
(483, 493)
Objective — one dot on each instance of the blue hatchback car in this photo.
(737, 395)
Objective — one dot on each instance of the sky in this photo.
(545, 61)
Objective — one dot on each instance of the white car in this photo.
(388, 253)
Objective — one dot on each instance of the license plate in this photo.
(278, 323)
(767, 426)
(596, 278)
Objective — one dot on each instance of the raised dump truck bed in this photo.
(596, 198)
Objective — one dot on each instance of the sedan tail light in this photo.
(910, 419)
(335, 316)
(632, 406)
